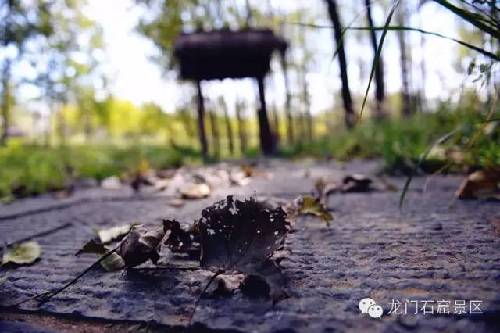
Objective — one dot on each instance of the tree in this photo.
(19, 23)
(405, 62)
(186, 117)
(379, 68)
(153, 119)
(53, 29)
(165, 20)
(288, 101)
(349, 117)
(6, 102)
(229, 129)
(307, 122)
(241, 126)
(66, 77)
(214, 130)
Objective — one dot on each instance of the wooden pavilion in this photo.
(220, 54)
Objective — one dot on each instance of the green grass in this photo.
(30, 170)
(400, 142)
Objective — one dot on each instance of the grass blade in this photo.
(477, 20)
(376, 57)
(422, 158)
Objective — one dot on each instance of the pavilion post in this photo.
(265, 136)
(288, 99)
(201, 122)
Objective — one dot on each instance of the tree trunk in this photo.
(288, 101)
(87, 125)
(6, 100)
(212, 115)
(248, 18)
(201, 123)
(494, 44)
(346, 93)
(187, 123)
(276, 125)
(307, 106)
(307, 118)
(241, 127)
(423, 68)
(229, 129)
(265, 136)
(379, 68)
(61, 125)
(406, 108)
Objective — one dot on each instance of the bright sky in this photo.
(136, 78)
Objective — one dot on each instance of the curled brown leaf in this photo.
(140, 246)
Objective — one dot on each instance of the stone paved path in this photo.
(435, 249)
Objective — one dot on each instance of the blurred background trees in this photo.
(57, 52)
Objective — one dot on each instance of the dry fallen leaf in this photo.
(319, 186)
(255, 286)
(248, 170)
(239, 178)
(140, 246)
(160, 184)
(482, 184)
(241, 236)
(113, 233)
(308, 205)
(223, 286)
(111, 183)
(356, 183)
(195, 191)
(324, 188)
(234, 233)
(269, 273)
(177, 239)
(113, 262)
(104, 236)
(22, 254)
(93, 246)
(176, 203)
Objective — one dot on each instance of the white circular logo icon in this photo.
(365, 304)
(375, 311)
(369, 306)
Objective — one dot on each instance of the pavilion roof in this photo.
(223, 54)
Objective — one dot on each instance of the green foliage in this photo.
(29, 170)
(401, 142)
